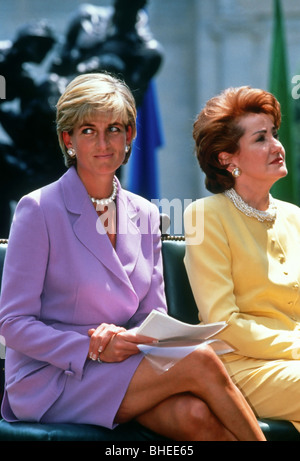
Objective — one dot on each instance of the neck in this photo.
(97, 186)
(101, 191)
(258, 199)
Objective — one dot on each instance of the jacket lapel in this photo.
(89, 231)
(129, 235)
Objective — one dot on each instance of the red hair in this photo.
(216, 129)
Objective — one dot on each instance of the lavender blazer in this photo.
(61, 277)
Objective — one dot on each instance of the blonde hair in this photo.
(90, 93)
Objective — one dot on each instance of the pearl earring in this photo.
(71, 152)
(127, 149)
(236, 172)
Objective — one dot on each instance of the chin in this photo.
(280, 176)
(284, 172)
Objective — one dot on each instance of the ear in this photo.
(67, 139)
(129, 134)
(228, 160)
(224, 158)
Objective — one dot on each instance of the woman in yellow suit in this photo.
(243, 261)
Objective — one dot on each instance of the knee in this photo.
(196, 421)
(207, 356)
(209, 367)
(194, 415)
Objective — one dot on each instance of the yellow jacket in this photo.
(247, 273)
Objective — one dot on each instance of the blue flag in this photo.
(143, 170)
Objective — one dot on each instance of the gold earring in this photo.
(236, 172)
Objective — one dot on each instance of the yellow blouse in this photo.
(247, 273)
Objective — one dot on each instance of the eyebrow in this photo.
(94, 124)
(264, 130)
(259, 132)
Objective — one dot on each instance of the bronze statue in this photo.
(116, 39)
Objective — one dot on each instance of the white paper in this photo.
(163, 327)
(176, 340)
(164, 356)
(179, 351)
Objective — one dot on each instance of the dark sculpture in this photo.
(31, 45)
(115, 39)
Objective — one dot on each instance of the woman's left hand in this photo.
(100, 337)
(110, 343)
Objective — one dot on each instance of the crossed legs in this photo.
(193, 400)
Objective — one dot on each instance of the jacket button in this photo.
(69, 373)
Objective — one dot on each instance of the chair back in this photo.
(180, 299)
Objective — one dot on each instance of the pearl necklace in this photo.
(268, 215)
(108, 200)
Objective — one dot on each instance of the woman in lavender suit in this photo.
(83, 268)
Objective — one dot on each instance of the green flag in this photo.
(285, 188)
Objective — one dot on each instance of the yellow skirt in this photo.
(271, 387)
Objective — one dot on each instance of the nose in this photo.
(102, 140)
(277, 146)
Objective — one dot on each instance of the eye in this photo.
(87, 131)
(276, 134)
(114, 129)
(261, 138)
